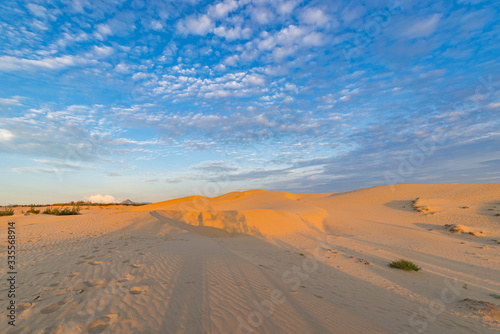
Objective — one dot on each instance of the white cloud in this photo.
(140, 76)
(103, 30)
(314, 16)
(233, 33)
(8, 63)
(11, 101)
(156, 25)
(37, 10)
(200, 25)
(230, 84)
(290, 35)
(5, 135)
(78, 6)
(122, 68)
(286, 8)
(222, 8)
(67, 38)
(494, 105)
(282, 52)
(103, 51)
(254, 79)
(46, 170)
(231, 60)
(313, 39)
(350, 14)
(262, 15)
(423, 27)
(291, 87)
(101, 199)
(64, 164)
(268, 43)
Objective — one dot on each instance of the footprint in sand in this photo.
(95, 263)
(73, 274)
(80, 262)
(135, 265)
(94, 283)
(136, 291)
(54, 307)
(101, 324)
(21, 308)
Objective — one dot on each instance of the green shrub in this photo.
(405, 265)
(50, 211)
(63, 212)
(7, 212)
(33, 211)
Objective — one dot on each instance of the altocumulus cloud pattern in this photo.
(279, 94)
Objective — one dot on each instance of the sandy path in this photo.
(155, 275)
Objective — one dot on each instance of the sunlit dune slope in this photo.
(254, 212)
(259, 212)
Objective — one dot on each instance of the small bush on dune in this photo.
(50, 211)
(404, 265)
(7, 212)
(63, 212)
(33, 211)
(67, 211)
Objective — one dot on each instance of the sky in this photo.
(152, 100)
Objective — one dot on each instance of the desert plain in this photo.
(264, 262)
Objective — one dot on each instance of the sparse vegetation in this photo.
(465, 286)
(416, 204)
(454, 228)
(33, 210)
(404, 265)
(481, 307)
(7, 212)
(63, 211)
(495, 295)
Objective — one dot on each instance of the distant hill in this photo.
(130, 202)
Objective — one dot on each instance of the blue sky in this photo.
(152, 100)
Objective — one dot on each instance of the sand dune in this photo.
(266, 262)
